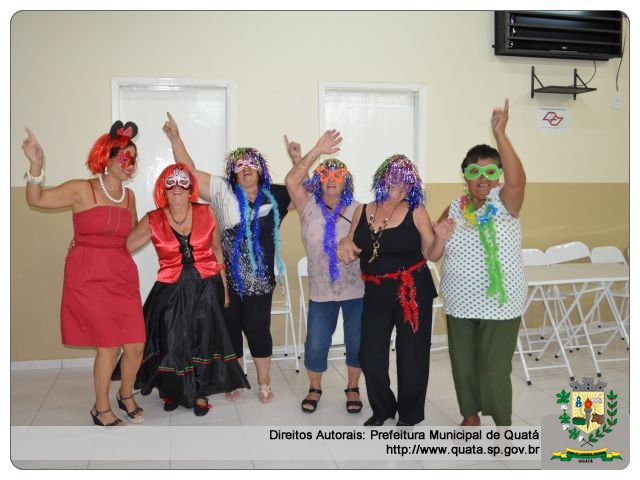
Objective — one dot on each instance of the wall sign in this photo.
(552, 118)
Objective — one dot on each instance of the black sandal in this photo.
(169, 404)
(353, 403)
(312, 403)
(201, 410)
(133, 414)
(116, 423)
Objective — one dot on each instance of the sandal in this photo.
(265, 394)
(201, 410)
(136, 415)
(169, 404)
(116, 423)
(353, 406)
(312, 403)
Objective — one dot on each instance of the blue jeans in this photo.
(322, 319)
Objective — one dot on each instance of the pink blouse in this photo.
(349, 285)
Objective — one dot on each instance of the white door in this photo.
(376, 121)
(204, 113)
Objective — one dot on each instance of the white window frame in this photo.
(420, 108)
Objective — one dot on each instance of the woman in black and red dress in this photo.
(188, 355)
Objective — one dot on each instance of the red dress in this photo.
(101, 304)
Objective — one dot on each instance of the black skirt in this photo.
(188, 351)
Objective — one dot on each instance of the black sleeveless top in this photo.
(400, 247)
(185, 248)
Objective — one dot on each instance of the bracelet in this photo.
(36, 180)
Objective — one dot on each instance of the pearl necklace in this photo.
(106, 193)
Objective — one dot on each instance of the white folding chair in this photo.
(611, 254)
(282, 307)
(533, 257)
(303, 273)
(570, 252)
(563, 253)
(567, 252)
(437, 303)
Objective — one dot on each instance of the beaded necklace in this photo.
(376, 235)
(483, 221)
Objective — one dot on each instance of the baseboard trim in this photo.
(52, 364)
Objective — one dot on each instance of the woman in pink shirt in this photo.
(325, 204)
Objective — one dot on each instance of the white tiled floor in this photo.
(64, 397)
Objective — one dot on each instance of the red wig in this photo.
(160, 191)
(106, 147)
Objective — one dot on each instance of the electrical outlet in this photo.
(616, 102)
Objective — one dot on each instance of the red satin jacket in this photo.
(167, 245)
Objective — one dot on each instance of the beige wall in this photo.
(61, 69)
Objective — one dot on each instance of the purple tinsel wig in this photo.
(398, 169)
(313, 184)
(251, 155)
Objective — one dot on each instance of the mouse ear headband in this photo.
(118, 129)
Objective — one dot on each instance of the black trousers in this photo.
(380, 314)
(250, 314)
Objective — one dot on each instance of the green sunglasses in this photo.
(490, 172)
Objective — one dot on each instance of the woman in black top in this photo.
(393, 237)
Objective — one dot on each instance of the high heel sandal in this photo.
(356, 405)
(116, 423)
(133, 414)
(312, 403)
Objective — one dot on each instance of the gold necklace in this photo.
(376, 235)
(181, 221)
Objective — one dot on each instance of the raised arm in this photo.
(180, 155)
(327, 144)
(140, 235)
(515, 180)
(69, 194)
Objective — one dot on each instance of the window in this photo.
(376, 121)
(204, 113)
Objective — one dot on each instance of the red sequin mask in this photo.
(126, 159)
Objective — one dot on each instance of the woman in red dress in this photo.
(101, 304)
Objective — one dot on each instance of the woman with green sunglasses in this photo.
(483, 281)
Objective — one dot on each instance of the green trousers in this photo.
(481, 352)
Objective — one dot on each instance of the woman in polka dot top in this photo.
(483, 281)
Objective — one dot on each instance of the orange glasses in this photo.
(336, 175)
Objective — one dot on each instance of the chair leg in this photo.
(293, 336)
